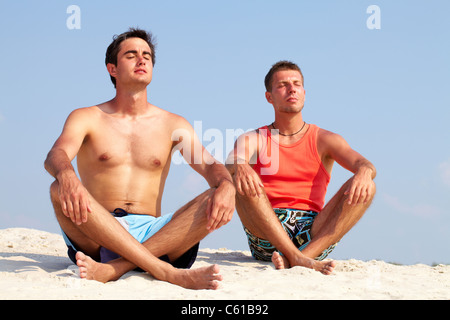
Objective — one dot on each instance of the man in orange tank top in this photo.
(281, 172)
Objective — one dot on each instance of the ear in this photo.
(269, 97)
(112, 69)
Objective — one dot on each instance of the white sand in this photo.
(34, 265)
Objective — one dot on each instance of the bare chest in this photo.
(133, 145)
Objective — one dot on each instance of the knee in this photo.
(251, 198)
(249, 204)
(54, 196)
(205, 196)
(201, 201)
(244, 197)
(373, 190)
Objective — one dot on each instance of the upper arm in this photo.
(73, 134)
(245, 148)
(333, 147)
(187, 142)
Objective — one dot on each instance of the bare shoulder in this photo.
(327, 137)
(330, 143)
(81, 119)
(173, 121)
(84, 114)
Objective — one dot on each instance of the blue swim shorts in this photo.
(297, 224)
(141, 227)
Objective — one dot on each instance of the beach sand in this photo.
(34, 265)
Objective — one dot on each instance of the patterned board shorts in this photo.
(297, 224)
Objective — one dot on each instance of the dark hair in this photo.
(280, 66)
(114, 47)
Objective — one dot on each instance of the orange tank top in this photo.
(293, 175)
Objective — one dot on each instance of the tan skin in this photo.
(123, 150)
(342, 212)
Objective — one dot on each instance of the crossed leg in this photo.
(103, 230)
(187, 227)
(335, 220)
(257, 216)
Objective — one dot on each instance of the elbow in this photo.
(374, 172)
(46, 162)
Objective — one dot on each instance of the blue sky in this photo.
(384, 90)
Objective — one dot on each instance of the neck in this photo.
(131, 102)
(288, 124)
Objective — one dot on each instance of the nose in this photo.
(291, 88)
(141, 60)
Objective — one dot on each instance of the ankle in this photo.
(299, 259)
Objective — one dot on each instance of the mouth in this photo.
(140, 71)
(292, 99)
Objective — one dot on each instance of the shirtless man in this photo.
(285, 168)
(123, 150)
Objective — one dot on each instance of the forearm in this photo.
(58, 164)
(217, 174)
(233, 161)
(365, 167)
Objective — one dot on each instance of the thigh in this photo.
(74, 238)
(257, 215)
(185, 228)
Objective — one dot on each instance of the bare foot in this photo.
(200, 278)
(325, 267)
(279, 261)
(93, 270)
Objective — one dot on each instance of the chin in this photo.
(291, 109)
